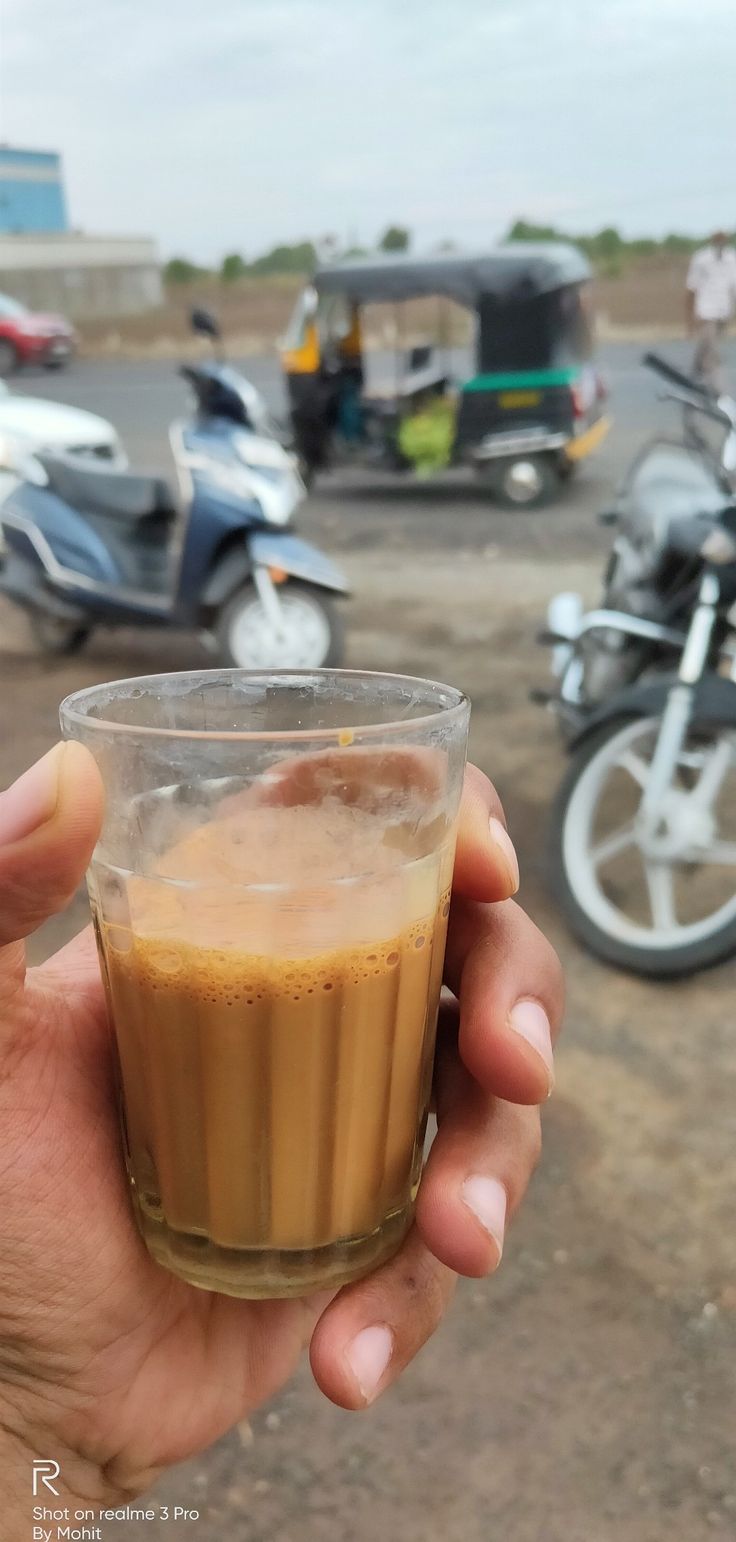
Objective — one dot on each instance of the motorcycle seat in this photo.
(116, 495)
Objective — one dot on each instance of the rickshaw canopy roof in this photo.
(514, 271)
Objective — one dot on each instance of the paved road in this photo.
(353, 509)
(141, 398)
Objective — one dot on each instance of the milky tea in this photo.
(273, 970)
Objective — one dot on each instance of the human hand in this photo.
(112, 1366)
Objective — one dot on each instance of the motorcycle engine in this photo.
(610, 659)
(610, 662)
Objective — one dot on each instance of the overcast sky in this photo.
(243, 122)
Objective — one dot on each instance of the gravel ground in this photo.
(588, 1392)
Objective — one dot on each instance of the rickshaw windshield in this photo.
(302, 315)
(335, 318)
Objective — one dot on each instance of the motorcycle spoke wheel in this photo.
(661, 889)
(723, 853)
(613, 844)
(637, 768)
(636, 897)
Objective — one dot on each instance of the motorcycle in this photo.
(649, 587)
(86, 548)
(643, 831)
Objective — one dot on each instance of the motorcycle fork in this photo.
(678, 710)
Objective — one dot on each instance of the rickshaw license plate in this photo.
(520, 398)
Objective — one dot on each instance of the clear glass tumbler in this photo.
(270, 894)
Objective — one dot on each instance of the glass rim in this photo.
(456, 704)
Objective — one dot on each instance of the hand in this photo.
(109, 1364)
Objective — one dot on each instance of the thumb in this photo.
(49, 823)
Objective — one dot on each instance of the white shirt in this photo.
(711, 277)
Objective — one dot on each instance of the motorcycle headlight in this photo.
(719, 546)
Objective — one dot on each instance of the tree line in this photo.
(300, 258)
(607, 249)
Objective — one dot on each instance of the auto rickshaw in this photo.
(531, 410)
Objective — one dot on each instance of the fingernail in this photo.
(368, 1357)
(530, 1020)
(486, 1197)
(32, 800)
(501, 838)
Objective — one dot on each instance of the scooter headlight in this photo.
(278, 493)
(230, 479)
(260, 452)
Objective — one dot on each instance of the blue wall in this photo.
(31, 192)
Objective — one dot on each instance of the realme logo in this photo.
(45, 1472)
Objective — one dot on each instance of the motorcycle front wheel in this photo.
(658, 909)
(309, 634)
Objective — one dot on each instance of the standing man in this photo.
(710, 298)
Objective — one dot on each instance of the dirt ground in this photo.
(588, 1392)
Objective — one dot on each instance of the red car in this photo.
(32, 337)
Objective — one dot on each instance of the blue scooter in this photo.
(81, 548)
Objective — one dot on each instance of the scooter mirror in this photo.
(203, 321)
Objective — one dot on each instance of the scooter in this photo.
(85, 548)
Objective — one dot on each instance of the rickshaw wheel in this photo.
(526, 482)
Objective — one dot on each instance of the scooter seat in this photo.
(117, 495)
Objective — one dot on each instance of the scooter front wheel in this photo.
(57, 637)
(306, 634)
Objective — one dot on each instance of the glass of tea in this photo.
(270, 895)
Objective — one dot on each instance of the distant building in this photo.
(84, 276)
(50, 267)
(31, 192)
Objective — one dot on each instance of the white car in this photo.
(33, 426)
